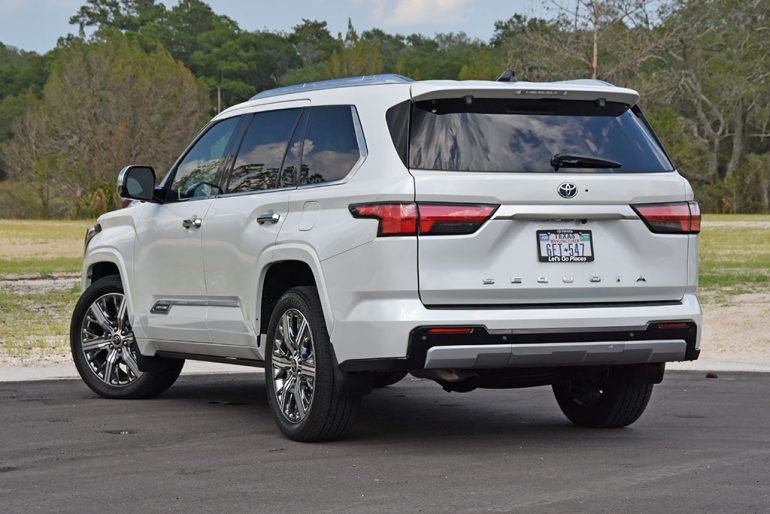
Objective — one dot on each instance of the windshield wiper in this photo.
(567, 160)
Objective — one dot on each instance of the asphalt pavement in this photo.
(210, 445)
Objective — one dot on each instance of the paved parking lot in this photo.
(209, 444)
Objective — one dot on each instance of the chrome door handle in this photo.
(273, 217)
(194, 222)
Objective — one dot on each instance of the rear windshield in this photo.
(466, 134)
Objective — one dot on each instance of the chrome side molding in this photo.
(163, 306)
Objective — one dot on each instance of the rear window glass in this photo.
(524, 135)
(330, 149)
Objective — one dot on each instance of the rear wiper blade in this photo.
(567, 160)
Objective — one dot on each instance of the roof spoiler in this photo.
(568, 90)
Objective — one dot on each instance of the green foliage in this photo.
(701, 68)
(105, 104)
(244, 62)
(486, 65)
(686, 152)
(313, 42)
(22, 75)
(123, 15)
(355, 57)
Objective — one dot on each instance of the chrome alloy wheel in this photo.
(293, 361)
(107, 341)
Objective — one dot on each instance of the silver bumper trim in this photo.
(555, 354)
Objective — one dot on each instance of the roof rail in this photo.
(366, 80)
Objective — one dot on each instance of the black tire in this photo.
(611, 401)
(328, 413)
(388, 379)
(136, 384)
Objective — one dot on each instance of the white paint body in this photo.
(375, 291)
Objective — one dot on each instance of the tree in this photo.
(505, 30)
(441, 57)
(105, 105)
(313, 42)
(244, 64)
(191, 26)
(701, 66)
(232, 63)
(314, 45)
(720, 76)
(600, 39)
(122, 15)
(356, 57)
(22, 75)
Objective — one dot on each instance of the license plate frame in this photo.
(556, 236)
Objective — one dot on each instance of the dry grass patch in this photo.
(35, 322)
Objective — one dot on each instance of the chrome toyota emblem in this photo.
(567, 190)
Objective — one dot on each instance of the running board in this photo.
(211, 358)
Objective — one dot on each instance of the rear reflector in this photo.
(432, 219)
(666, 326)
(446, 219)
(670, 218)
(450, 330)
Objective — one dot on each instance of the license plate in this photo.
(565, 245)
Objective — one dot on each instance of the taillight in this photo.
(694, 217)
(452, 219)
(432, 219)
(396, 219)
(670, 218)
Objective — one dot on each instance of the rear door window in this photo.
(493, 135)
(330, 148)
(262, 151)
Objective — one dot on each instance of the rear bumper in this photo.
(526, 338)
(480, 349)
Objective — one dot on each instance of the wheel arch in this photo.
(103, 263)
(285, 267)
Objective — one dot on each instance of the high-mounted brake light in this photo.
(670, 218)
(432, 219)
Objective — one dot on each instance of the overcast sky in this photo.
(37, 24)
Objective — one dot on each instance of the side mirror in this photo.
(137, 183)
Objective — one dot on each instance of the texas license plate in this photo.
(565, 245)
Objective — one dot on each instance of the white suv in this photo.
(341, 234)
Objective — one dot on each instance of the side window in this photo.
(262, 150)
(196, 175)
(330, 148)
(291, 162)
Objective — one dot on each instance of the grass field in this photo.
(36, 300)
(41, 247)
(735, 253)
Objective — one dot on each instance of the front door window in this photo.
(196, 175)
